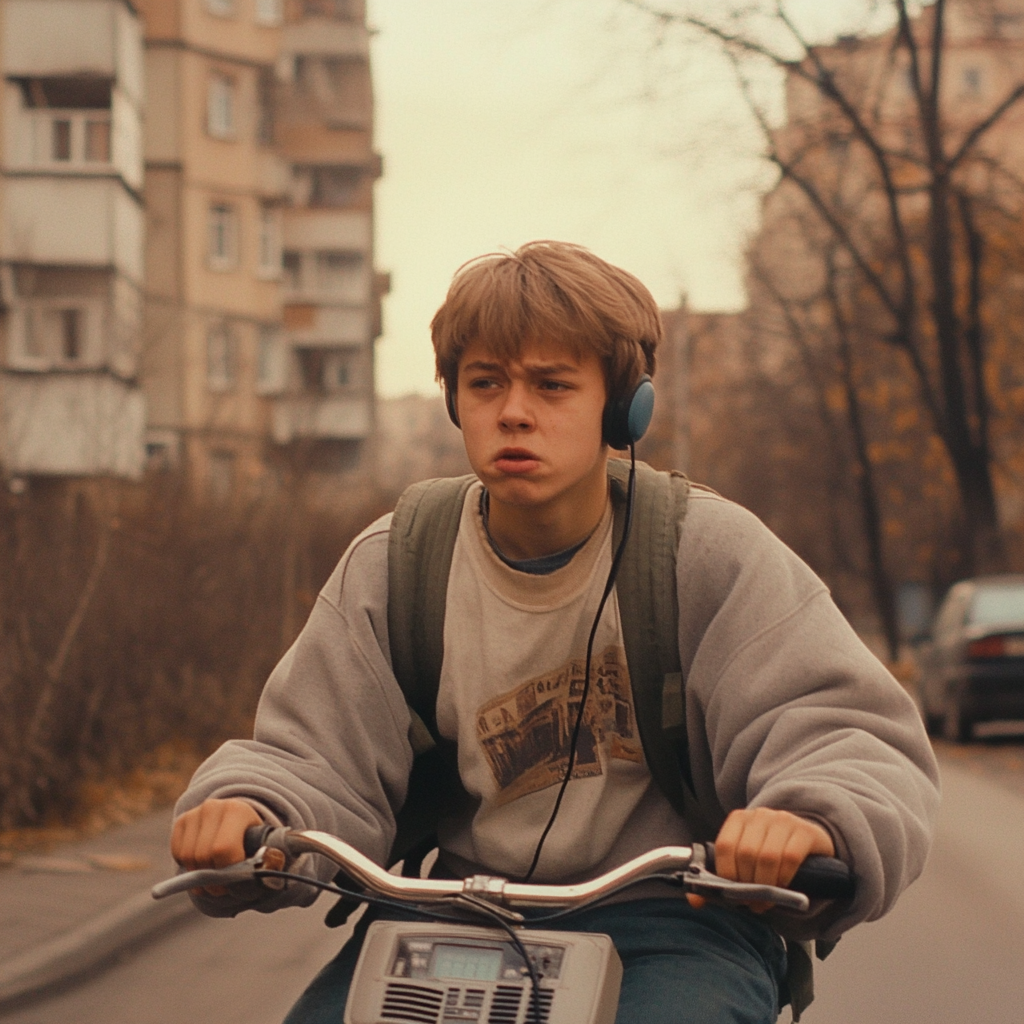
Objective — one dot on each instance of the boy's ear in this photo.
(449, 401)
(627, 418)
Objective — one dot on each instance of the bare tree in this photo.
(936, 176)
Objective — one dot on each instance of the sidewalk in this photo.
(64, 913)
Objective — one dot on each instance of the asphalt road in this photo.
(952, 951)
(248, 970)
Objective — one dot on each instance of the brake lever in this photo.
(266, 858)
(698, 880)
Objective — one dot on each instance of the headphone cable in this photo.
(612, 574)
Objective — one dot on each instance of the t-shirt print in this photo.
(525, 733)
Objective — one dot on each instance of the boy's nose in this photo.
(515, 411)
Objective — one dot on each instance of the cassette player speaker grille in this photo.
(415, 1004)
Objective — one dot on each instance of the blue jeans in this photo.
(680, 965)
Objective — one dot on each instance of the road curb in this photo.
(78, 951)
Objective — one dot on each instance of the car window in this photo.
(997, 605)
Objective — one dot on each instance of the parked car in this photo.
(972, 664)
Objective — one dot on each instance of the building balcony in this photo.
(328, 37)
(101, 39)
(72, 141)
(320, 418)
(328, 229)
(308, 323)
(85, 423)
(73, 222)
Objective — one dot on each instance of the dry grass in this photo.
(101, 803)
(137, 627)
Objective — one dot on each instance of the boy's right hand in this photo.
(211, 836)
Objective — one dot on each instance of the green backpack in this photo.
(420, 546)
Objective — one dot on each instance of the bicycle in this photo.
(453, 970)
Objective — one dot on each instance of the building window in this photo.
(265, 97)
(222, 8)
(324, 370)
(70, 327)
(61, 148)
(220, 358)
(270, 241)
(340, 275)
(291, 268)
(54, 334)
(337, 371)
(223, 240)
(71, 138)
(269, 12)
(311, 369)
(97, 141)
(333, 186)
(346, 10)
(32, 341)
(220, 107)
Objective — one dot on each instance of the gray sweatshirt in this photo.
(786, 708)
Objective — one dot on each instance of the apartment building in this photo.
(71, 238)
(324, 129)
(258, 137)
(214, 189)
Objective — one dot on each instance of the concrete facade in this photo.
(214, 188)
(71, 238)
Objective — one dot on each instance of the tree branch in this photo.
(983, 126)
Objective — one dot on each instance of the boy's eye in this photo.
(553, 385)
(483, 383)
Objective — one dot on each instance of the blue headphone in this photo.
(625, 419)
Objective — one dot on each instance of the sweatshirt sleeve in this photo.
(788, 709)
(330, 747)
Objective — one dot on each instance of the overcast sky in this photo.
(502, 121)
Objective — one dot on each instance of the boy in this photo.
(799, 741)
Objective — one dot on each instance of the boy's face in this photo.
(532, 427)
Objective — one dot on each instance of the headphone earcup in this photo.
(626, 420)
(449, 401)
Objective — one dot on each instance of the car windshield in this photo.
(998, 605)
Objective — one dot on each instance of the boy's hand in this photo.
(211, 836)
(767, 847)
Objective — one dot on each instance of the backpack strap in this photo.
(649, 609)
(420, 546)
(421, 542)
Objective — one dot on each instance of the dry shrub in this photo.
(135, 619)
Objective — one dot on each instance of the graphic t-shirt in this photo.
(510, 688)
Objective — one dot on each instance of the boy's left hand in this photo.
(767, 847)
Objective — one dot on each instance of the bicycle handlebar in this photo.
(270, 848)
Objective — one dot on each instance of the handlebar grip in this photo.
(820, 878)
(255, 837)
(824, 878)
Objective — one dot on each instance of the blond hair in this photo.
(549, 290)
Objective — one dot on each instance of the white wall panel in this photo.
(59, 37)
(327, 229)
(72, 424)
(73, 221)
